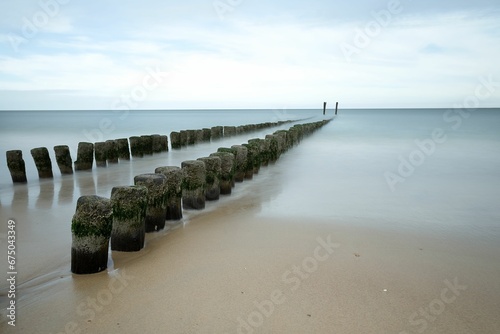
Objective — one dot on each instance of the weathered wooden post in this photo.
(193, 188)
(123, 149)
(16, 165)
(63, 159)
(157, 200)
(136, 147)
(184, 138)
(157, 146)
(253, 159)
(147, 144)
(336, 108)
(212, 172)
(258, 147)
(174, 178)
(84, 156)
(273, 147)
(198, 134)
(111, 152)
(91, 229)
(42, 161)
(175, 139)
(324, 108)
(240, 161)
(129, 213)
(100, 154)
(207, 134)
(164, 143)
(229, 131)
(227, 171)
(217, 132)
(191, 137)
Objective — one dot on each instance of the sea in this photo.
(435, 171)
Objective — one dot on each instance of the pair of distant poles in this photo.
(336, 108)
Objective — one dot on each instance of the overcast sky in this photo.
(196, 54)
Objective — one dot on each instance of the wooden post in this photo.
(324, 108)
(193, 188)
(336, 108)
(17, 169)
(91, 229)
(129, 213)
(42, 161)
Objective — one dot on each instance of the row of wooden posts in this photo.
(110, 151)
(154, 198)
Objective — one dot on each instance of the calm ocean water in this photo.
(405, 170)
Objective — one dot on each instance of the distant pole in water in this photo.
(336, 108)
(324, 108)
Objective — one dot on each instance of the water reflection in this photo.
(45, 197)
(67, 190)
(86, 183)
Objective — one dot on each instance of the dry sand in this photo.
(231, 269)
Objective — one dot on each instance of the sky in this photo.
(205, 54)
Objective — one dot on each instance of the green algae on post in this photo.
(213, 171)
(157, 200)
(129, 214)
(174, 178)
(100, 154)
(91, 229)
(193, 188)
(227, 172)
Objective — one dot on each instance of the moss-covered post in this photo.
(123, 149)
(184, 138)
(198, 136)
(193, 188)
(253, 157)
(229, 131)
(16, 165)
(157, 200)
(217, 132)
(240, 159)
(174, 178)
(129, 213)
(227, 171)
(111, 152)
(273, 147)
(231, 151)
(100, 154)
(213, 171)
(84, 156)
(164, 143)
(63, 159)
(191, 137)
(136, 147)
(42, 161)
(207, 134)
(175, 140)
(91, 229)
(156, 143)
(147, 144)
